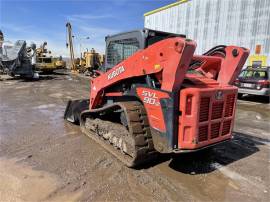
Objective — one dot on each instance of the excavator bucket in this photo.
(74, 109)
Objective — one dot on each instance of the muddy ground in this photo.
(43, 158)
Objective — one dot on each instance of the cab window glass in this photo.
(120, 50)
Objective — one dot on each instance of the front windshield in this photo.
(253, 74)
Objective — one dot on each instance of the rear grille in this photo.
(203, 133)
(229, 105)
(204, 109)
(217, 109)
(226, 127)
(215, 130)
(220, 123)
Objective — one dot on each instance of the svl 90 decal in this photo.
(150, 98)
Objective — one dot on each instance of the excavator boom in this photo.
(70, 45)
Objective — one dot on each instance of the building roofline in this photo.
(165, 7)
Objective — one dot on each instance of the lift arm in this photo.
(170, 58)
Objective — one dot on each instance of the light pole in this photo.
(80, 42)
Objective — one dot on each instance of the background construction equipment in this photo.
(17, 58)
(47, 63)
(88, 62)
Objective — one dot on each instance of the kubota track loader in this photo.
(155, 95)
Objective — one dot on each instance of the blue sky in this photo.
(44, 20)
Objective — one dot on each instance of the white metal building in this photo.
(216, 22)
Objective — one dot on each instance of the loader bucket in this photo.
(74, 109)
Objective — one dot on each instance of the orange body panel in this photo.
(211, 118)
(151, 101)
(202, 103)
(170, 56)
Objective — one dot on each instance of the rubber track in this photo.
(138, 128)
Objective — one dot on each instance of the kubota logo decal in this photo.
(150, 98)
(219, 95)
(116, 72)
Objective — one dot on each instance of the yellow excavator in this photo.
(89, 60)
(47, 63)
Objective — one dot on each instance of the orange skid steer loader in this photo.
(155, 95)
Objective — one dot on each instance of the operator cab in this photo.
(120, 46)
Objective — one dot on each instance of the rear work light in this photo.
(188, 105)
(264, 83)
(237, 82)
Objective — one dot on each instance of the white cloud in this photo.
(97, 37)
(97, 31)
(31, 34)
(17, 28)
(83, 26)
(87, 17)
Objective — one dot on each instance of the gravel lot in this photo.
(43, 158)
